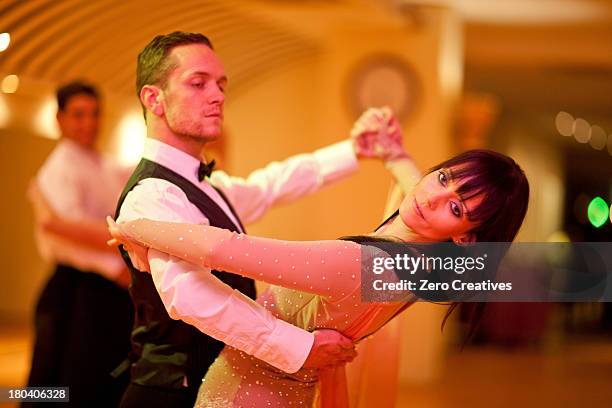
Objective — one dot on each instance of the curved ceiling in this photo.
(99, 40)
(525, 12)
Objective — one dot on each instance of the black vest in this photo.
(165, 351)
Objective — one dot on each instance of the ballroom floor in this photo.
(577, 375)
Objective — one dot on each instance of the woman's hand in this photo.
(137, 252)
(377, 134)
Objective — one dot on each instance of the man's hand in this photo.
(377, 134)
(330, 349)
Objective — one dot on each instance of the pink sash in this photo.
(333, 390)
(333, 385)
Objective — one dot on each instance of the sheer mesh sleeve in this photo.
(322, 267)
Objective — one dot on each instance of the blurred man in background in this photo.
(84, 315)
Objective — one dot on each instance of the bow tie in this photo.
(205, 170)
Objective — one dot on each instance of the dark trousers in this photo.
(83, 324)
(137, 396)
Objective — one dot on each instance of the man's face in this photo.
(194, 93)
(80, 119)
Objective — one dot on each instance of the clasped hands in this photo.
(377, 134)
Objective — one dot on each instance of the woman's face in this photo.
(435, 211)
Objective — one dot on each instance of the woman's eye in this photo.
(442, 178)
(198, 84)
(455, 209)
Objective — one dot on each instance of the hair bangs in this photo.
(494, 177)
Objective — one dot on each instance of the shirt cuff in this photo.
(287, 347)
(336, 161)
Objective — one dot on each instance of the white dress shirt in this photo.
(80, 184)
(192, 293)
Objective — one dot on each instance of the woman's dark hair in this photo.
(498, 217)
(504, 189)
(500, 214)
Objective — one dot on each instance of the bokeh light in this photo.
(45, 123)
(558, 236)
(131, 134)
(582, 130)
(10, 84)
(565, 123)
(4, 112)
(5, 40)
(599, 138)
(598, 212)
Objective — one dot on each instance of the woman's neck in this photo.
(397, 229)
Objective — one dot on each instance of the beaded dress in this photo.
(314, 285)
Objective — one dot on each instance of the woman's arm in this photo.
(406, 174)
(377, 133)
(329, 268)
